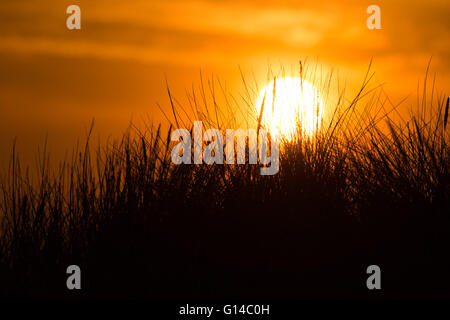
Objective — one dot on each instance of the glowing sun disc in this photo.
(296, 102)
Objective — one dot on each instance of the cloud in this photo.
(196, 32)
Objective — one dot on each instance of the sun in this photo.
(297, 103)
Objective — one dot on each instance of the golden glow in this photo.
(296, 102)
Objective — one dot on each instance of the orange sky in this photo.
(54, 81)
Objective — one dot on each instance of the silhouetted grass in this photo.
(354, 194)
